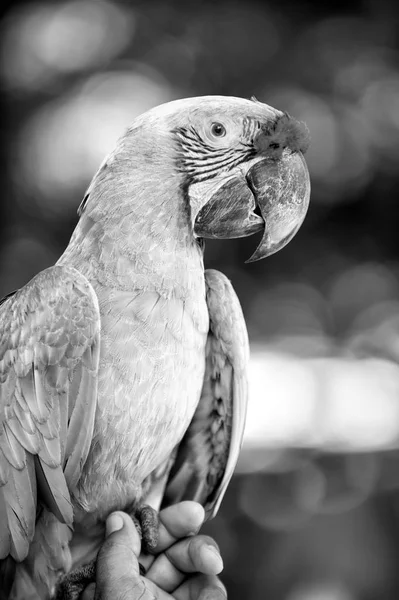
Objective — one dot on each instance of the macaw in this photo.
(123, 366)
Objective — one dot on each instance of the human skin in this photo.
(185, 564)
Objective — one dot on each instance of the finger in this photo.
(198, 554)
(117, 563)
(175, 522)
(178, 521)
(89, 592)
(201, 587)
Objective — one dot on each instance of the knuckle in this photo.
(202, 540)
(125, 588)
(116, 549)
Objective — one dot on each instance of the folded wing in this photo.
(49, 355)
(208, 453)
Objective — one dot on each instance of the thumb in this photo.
(117, 569)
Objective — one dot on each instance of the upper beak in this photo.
(282, 191)
(279, 187)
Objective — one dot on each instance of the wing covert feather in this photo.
(208, 453)
(49, 355)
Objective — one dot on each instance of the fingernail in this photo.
(210, 553)
(212, 594)
(194, 531)
(114, 523)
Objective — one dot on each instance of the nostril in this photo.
(274, 145)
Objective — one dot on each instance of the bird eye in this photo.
(218, 130)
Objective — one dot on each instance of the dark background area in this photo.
(312, 513)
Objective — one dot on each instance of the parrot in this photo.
(123, 367)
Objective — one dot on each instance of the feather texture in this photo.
(49, 357)
(208, 453)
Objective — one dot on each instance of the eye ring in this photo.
(218, 130)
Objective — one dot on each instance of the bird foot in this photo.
(73, 584)
(147, 524)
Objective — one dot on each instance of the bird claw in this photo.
(73, 584)
(147, 524)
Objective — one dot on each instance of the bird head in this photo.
(237, 163)
(242, 166)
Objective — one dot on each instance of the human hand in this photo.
(184, 567)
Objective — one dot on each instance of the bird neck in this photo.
(135, 233)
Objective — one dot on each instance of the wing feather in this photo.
(49, 355)
(53, 490)
(208, 453)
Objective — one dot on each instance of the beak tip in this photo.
(262, 250)
(260, 253)
(252, 260)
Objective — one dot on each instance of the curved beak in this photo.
(278, 188)
(282, 191)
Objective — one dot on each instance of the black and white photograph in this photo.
(199, 300)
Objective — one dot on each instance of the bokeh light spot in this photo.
(63, 145)
(43, 41)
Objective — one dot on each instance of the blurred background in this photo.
(313, 511)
